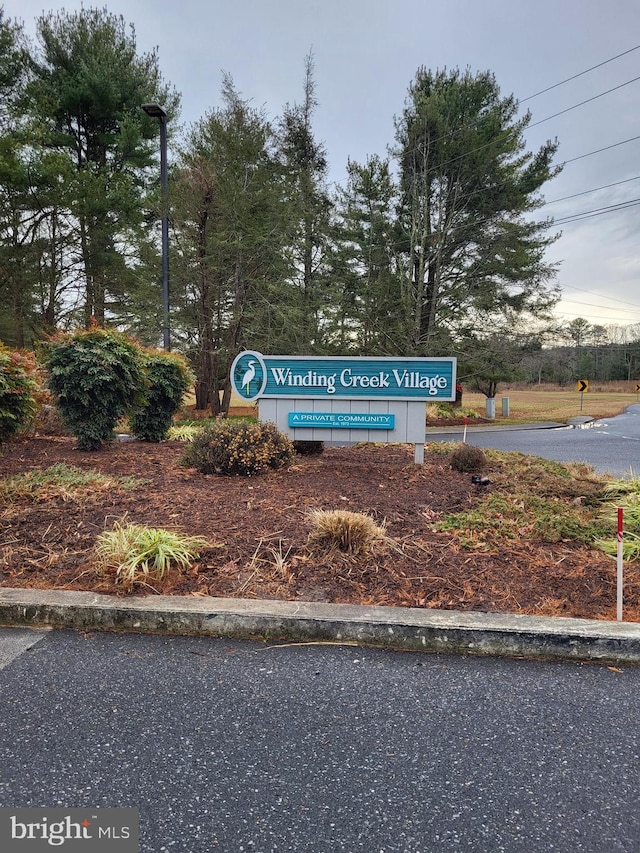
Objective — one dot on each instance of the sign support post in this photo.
(583, 385)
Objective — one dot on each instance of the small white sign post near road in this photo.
(328, 398)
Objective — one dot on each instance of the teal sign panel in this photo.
(254, 375)
(341, 420)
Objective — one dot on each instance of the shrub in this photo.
(467, 458)
(48, 420)
(97, 375)
(438, 410)
(169, 378)
(17, 392)
(238, 447)
(138, 553)
(351, 532)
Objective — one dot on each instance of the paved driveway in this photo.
(237, 746)
(610, 445)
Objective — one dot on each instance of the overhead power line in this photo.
(585, 192)
(598, 150)
(555, 115)
(573, 160)
(580, 74)
(570, 301)
(592, 293)
(582, 103)
(561, 312)
(598, 211)
(592, 190)
(555, 86)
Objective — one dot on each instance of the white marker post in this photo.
(464, 434)
(620, 564)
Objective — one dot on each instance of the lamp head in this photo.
(154, 110)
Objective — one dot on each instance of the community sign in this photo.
(255, 376)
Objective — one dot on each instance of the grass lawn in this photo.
(550, 403)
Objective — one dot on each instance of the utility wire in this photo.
(562, 165)
(548, 118)
(635, 308)
(598, 150)
(598, 211)
(592, 190)
(569, 218)
(582, 103)
(559, 312)
(572, 160)
(610, 298)
(580, 74)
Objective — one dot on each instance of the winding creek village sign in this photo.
(345, 399)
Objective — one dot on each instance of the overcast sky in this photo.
(366, 54)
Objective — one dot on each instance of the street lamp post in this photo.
(156, 111)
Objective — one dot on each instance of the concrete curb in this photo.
(392, 627)
(497, 427)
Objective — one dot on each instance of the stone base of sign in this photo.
(409, 420)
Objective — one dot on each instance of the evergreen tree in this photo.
(305, 164)
(231, 230)
(88, 83)
(16, 219)
(365, 314)
(466, 183)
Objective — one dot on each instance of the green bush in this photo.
(468, 458)
(238, 447)
(97, 376)
(169, 379)
(17, 392)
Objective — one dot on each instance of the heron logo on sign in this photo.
(249, 375)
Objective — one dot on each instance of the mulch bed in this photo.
(258, 529)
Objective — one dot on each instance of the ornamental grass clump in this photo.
(239, 447)
(623, 494)
(467, 458)
(139, 554)
(62, 481)
(351, 532)
(183, 432)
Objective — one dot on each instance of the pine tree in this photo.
(305, 163)
(230, 221)
(88, 83)
(364, 266)
(466, 185)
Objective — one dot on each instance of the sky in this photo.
(366, 53)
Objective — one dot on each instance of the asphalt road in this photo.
(237, 746)
(610, 445)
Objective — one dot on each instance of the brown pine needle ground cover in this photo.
(448, 543)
